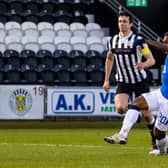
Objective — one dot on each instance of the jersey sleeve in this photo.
(144, 47)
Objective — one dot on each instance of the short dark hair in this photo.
(124, 13)
(166, 34)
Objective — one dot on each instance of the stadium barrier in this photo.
(38, 101)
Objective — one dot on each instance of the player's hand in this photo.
(106, 86)
(139, 65)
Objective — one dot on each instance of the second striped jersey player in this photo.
(128, 49)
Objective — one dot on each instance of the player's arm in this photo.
(150, 61)
(108, 68)
(158, 45)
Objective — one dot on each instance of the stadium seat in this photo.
(62, 29)
(95, 43)
(30, 29)
(63, 75)
(78, 75)
(47, 43)
(1, 76)
(46, 75)
(15, 9)
(2, 61)
(63, 16)
(46, 29)
(104, 40)
(31, 11)
(3, 7)
(30, 43)
(31, 7)
(2, 31)
(64, 13)
(12, 57)
(78, 58)
(2, 38)
(47, 12)
(94, 29)
(46, 59)
(62, 59)
(83, 5)
(30, 58)
(96, 75)
(79, 16)
(13, 42)
(78, 29)
(79, 43)
(12, 74)
(2, 46)
(29, 74)
(13, 28)
(95, 58)
(63, 43)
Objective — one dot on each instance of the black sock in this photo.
(150, 127)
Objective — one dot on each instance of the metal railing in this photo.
(138, 25)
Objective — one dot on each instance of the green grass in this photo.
(59, 144)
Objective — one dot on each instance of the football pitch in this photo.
(73, 144)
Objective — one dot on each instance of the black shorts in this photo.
(137, 89)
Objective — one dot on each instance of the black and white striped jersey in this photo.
(127, 52)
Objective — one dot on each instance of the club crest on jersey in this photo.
(20, 101)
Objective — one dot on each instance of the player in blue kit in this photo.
(156, 100)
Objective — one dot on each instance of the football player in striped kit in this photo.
(128, 48)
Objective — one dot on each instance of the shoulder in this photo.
(139, 40)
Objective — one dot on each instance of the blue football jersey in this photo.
(164, 86)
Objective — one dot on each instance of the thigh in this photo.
(121, 100)
(152, 100)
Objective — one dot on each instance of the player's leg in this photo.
(141, 88)
(150, 119)
(156, 102)
(161, 140)
(121, 103)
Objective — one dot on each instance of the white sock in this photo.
(162, 145)
(130, 119)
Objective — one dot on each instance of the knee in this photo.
(121, 109)
(159, 134)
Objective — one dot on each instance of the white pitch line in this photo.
(78, 146)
